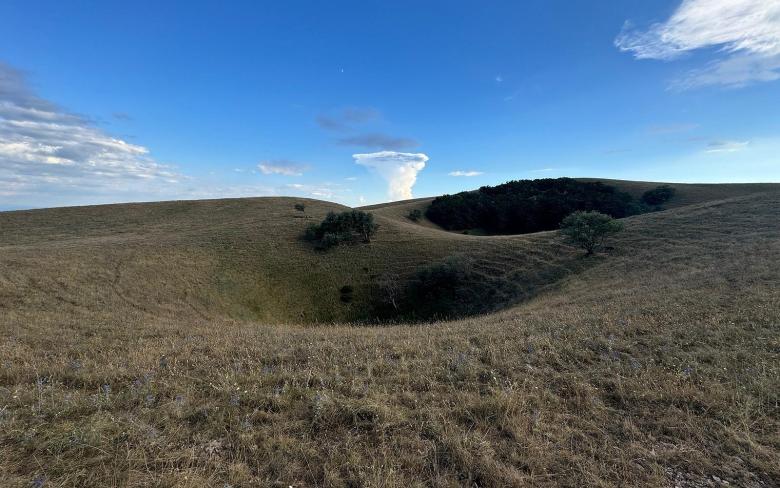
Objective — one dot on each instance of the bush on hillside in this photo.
(300, 207)
(658, 195)
(391, 291)
(451, 288)
(523, 206)
(343, 228)
(414, 215)
(588, 230)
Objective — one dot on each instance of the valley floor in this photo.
(657, 364)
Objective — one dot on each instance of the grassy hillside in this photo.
(243, 259)
(141, 345)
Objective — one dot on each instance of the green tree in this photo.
(344, 227)
(658, 195)
(588, 230)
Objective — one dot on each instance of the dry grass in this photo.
(131, 354)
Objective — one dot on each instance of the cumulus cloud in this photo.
(398, 169)
(465, 173)
(379, 141)
(45, 149)
(281, 167)
(746, 33)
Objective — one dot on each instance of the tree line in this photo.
(523, 206)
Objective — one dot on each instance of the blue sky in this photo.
(363, 102)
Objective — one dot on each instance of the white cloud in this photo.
(329, 191)
(726, 146)
(747, 33)
(398, 169)
(499, 79)
(281, 167)
(465, 173)
(45, 150)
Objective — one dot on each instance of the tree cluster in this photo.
(658, 195)
(449, 288)
(346, 227)
(524, 206)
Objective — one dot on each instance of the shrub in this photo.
(414, 215)
(345, 227)
(300, 207)
(346, 293)
(589, 229)
(440, 289)
(523, 206)
(450, 288)
(658, 195)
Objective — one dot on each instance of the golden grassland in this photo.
(199, 344)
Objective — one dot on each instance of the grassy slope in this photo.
(239, 258)
(657, 361)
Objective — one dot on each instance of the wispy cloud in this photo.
(672, 128)
(465, 173)
(45, 149)
(122, 116)
(379, 141)
(282, 167)
(398, 169)
(726, 146)
(345, 118)
(324, 190)
(747, 33)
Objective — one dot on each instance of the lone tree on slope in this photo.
(588, 230)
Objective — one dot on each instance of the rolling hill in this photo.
(203, 343)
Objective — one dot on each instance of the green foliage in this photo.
(414, 215)
(450, 288)
(300, 207)
(346, 293)
(346, 227)
(658, 195)
(589, 229)
(523, 206)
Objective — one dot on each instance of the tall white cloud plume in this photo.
(747, 33)
(398, 169)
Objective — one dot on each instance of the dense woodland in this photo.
(523, 206)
